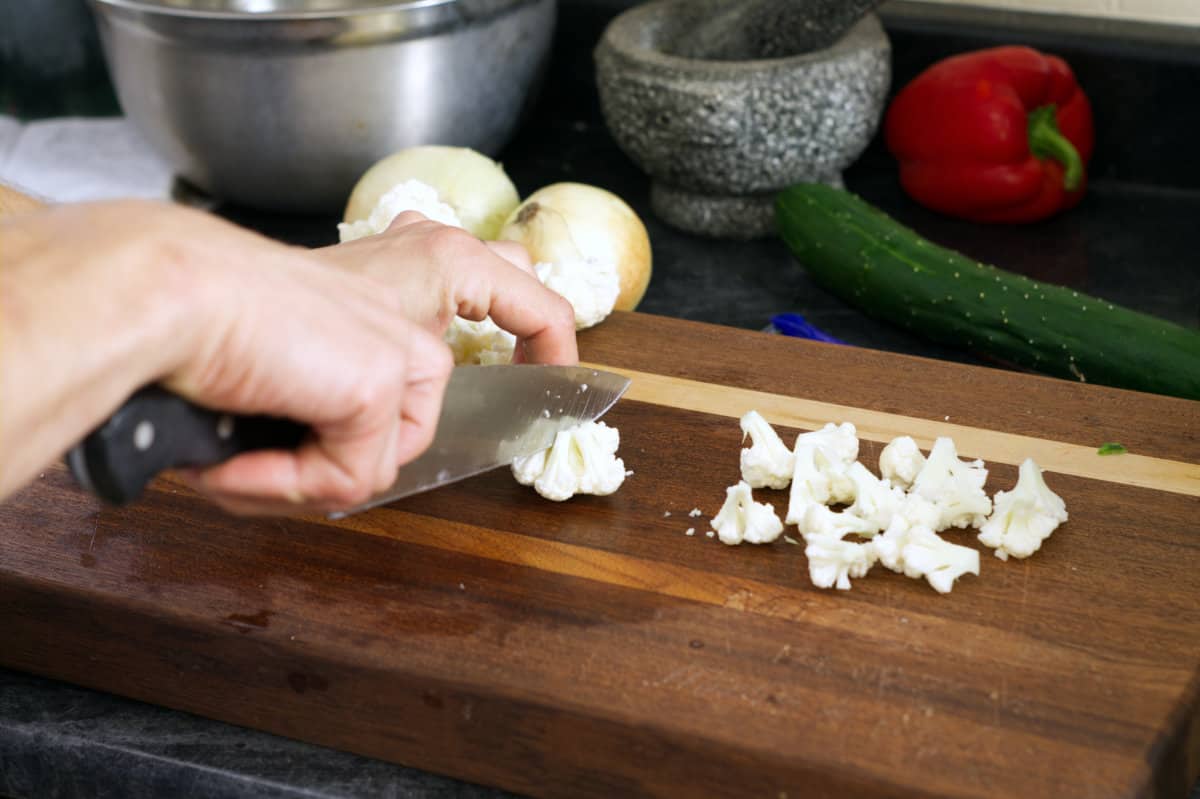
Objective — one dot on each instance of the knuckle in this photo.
(348, 492)
(563, 314)
(451, 243)
(406, 218)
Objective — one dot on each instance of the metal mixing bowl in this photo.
(283, 104)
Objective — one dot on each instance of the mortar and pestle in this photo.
(725, 102)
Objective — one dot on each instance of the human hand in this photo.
(437, 272)
(99, 300)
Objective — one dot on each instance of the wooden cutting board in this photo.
(591, 648)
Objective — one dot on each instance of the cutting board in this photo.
(592, 648)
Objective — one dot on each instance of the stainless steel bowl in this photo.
(283, 104)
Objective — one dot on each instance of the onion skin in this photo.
(475, 186)
(591, 222)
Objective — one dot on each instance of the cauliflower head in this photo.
(479, 343)
(768, 463)
(589, 284)
(411, 195)
(582, 460)
(741, 519)
(1024, 517)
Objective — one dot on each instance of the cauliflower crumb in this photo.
(582, 460)
(691, 531)
(411, 195)
(710, 534)
(666, 513)
(695, 512)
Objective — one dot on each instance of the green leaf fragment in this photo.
(1111, 448)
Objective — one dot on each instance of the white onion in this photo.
(573, 222)
(475, 186)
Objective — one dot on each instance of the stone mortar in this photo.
(719, 138)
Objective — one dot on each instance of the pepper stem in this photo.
(1047, 141)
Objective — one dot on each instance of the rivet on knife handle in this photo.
(156, 430)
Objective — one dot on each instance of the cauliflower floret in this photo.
(875, 500)
(411, 195)
(837, 446)
(940, 562)
(768, 463)
(832, 560)
(582, 460)
(910, 545)
(821, 522)
(1025, 516)
(901, 461)
(742, 519)
(483, 342)
(810, 484)
(820, 472)
(955, 486)
(590, 285)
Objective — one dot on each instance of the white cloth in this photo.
(73, 159)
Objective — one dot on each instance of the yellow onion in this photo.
(475, 186)
(572, 221)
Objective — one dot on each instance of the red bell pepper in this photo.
(996, 135)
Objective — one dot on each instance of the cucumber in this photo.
(871, 261)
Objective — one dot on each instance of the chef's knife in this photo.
(490, 415)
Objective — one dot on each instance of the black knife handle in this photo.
(156, 430)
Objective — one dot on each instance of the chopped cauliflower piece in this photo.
(955, 486)
(582, 460)
(483, 342)
(768, 463)
(1024, 517)
(810, 483)
(824, 522)
(875, 500)
(901, 461)
(832, 560)
(940, 562)
(909, 545)
(822, 460)
(411, 195)
(840, 441)
(742, 519)
(590, 285)
(838, 448)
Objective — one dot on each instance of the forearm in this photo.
(80, 329)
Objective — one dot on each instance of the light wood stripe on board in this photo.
(972, 442)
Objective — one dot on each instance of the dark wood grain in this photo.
(591, 648)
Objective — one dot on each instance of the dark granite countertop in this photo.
(1132, 241)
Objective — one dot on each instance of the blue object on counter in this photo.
(795, 325)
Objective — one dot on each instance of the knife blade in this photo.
(490, 415)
